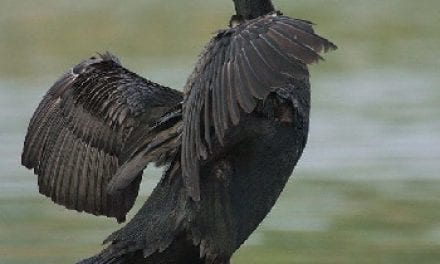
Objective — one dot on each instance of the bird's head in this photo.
(235, 21)
(250, 9)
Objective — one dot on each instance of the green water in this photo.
(367, 187)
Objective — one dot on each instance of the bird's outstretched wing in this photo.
(238, 67)
(78, 136)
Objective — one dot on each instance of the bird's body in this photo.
(229, 142)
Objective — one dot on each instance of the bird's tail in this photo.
(155, 234)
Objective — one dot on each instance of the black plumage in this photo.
(229, 142)
(80, 133)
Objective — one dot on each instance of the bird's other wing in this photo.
(76, 137)
(238, 67)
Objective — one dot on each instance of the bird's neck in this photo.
(250, 9)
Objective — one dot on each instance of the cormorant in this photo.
(229, 142)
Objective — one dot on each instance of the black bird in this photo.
(229, 142)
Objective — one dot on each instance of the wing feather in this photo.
(57, 162)
(207, 126)
(258, 87)
(234, 111)
(218, 110)
(63, 187)
(58, 191)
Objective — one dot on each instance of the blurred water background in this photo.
(367, 189)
